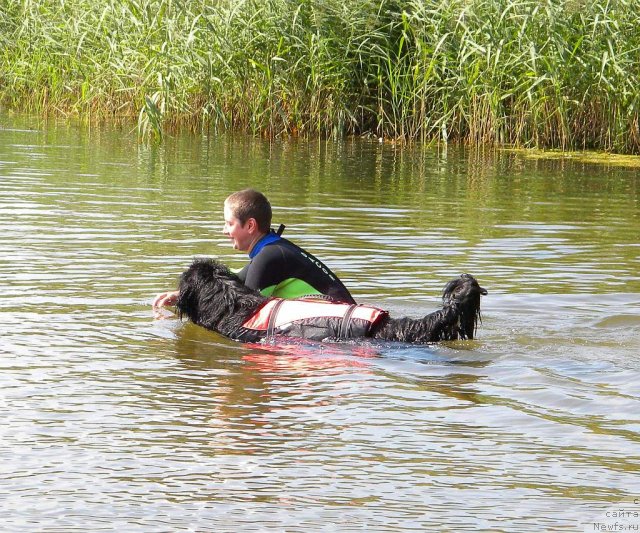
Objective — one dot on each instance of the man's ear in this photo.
(252, 225)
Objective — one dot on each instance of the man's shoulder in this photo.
(273, 252)
(281, 247)
(284, 254)
(285, 243)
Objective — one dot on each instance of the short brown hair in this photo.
(250, 203)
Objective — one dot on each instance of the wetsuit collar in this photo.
(270, 237)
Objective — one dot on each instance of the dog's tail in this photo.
(463, 294)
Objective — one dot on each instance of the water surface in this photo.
(114, 420)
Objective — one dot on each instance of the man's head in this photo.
(247, 217)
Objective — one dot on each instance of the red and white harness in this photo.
(341, 321)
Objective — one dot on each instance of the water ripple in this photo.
(116, 421)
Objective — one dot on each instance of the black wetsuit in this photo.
(281, 269)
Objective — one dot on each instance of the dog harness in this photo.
(313, 319)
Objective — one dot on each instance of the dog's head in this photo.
(211, 295)
(464, 292)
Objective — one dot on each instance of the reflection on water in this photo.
(114, 420)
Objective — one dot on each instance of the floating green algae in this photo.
(601, 158)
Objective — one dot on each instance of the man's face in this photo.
(242, 237)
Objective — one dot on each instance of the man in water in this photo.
(277, 267)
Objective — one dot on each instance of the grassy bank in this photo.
(554, 73)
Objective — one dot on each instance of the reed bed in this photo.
(543, 73)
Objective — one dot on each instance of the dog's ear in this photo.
(192, 280)
(451, 289)
(187, 303)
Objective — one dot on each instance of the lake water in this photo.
(112, 420)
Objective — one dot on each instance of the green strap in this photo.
(290, 288)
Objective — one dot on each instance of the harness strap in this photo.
(317, 297)
(344, 325)
(271, 326)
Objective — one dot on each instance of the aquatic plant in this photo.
(551, 73)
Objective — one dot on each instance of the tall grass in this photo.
(546, 73)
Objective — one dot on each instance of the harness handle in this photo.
(271, 326)
(344, 325)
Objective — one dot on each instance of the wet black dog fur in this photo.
(211, 296)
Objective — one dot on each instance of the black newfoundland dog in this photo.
(211, 296)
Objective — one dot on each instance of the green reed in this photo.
(545, 73)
